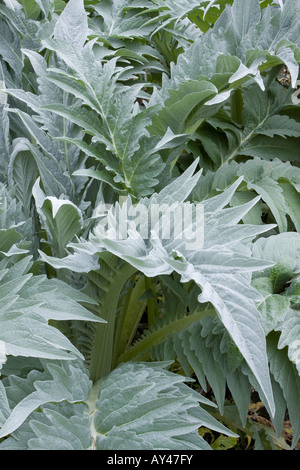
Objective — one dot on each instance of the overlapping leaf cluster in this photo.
(123, 104)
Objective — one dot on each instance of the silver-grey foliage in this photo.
(148, 105)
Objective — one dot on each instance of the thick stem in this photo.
(151, 301)
(101, 357)
(237, 105)
(129, 319)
